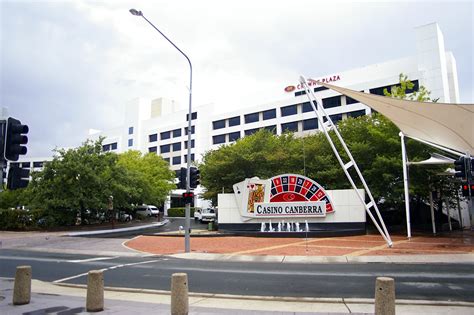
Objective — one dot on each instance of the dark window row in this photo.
(166, 135)
(356, 113)
(130, 142)
(219, 124)
(379, 90)
(130, 130)
(193, 116)
(108, 147)
(317, 89)
(253, 117)
(167, 147)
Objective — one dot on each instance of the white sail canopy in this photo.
(448, 125)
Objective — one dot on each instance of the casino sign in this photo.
(287, 195)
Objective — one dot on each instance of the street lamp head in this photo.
(135, 12)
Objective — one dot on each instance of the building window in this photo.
(310, 124)
(37, 164)
(350, 100)
(289, 110)
(176, 160)
(218, 139)
(321, 88)
(234, 121)
(272, 129)
(234, 136)
(110, 146)
(152, 149)
(300, 93)
(331, 102)
(291, 126)
(165, 148)
(356, 113)
(307, 107)
(335, 118)
(153, 137)
(177, 146)
(186, 158)
(165, 135)
(167, 160)
(269, 114)
(193, 116)
(186, 144)
(250, 131)
(130, 142)
(193, 130)
(130, 130)
(177, 133)
(250, 118)
(218, 124)
(25, 164)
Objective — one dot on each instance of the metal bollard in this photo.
(95, 291)
(22, 287)
(384, 296)
(179, 294)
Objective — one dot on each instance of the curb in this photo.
(102, 232)
(276, 298)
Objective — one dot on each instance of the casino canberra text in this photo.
(317, 208)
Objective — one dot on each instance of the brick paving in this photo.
(364, 245)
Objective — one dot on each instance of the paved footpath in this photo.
(48, 298)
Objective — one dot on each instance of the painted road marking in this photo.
(92, 259)
(105, 269)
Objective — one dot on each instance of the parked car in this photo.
(206, 215)
(147, 211)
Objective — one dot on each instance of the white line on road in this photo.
(92, 259)
(105, 269)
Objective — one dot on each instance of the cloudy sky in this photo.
(67, 66)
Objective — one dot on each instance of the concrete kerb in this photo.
(275, 298)
(405, 259)
(112, 231)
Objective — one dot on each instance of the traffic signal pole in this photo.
(3, 163)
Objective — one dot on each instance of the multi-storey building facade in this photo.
(160, 125)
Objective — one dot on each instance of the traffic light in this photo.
(194, 179)
(17, 178)
(465, 189)
(188, 197)
(460, 168)
(182, 178)
(15, 138)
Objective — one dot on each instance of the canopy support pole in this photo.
(405, 183)
(433, 223)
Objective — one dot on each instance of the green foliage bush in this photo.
(17, 219)
(179, 212)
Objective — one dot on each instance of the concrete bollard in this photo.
(384, 296)
(179, 294)
(22, 287)
(95, 291)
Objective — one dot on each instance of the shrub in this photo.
(180, 212)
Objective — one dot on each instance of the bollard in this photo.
(22, 287)
(384, 296)
(179, 294)
(95, 291)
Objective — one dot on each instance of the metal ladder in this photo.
(346, 166)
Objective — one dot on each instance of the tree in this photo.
(400, 91)
(76, 179)
(154, 174)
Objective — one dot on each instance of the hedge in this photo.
(179, 212)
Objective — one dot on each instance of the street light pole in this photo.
(187, 246)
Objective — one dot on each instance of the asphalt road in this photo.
(413, 281)
(173, 225)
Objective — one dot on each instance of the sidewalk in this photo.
(455, 246)
(47, 297)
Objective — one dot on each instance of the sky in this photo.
(67, 66)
